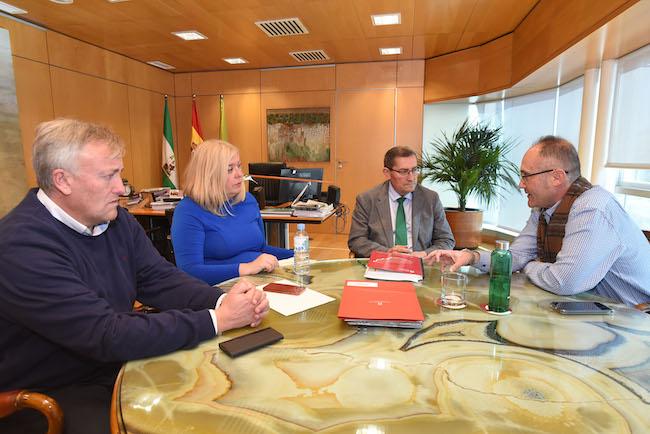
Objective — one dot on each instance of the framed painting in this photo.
(298, 134)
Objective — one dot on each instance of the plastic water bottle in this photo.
(500, 276)
(301, 251)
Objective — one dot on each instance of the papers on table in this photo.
(394, 266)
(289, 304)
(385, 304)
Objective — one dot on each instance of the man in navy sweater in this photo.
(72, 262)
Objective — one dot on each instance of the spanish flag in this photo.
(197, 134)
(223, 126)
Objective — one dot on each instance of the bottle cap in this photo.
(503, 244)
(301, 226)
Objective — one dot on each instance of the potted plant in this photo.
(472, 161)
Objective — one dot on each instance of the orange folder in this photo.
(389, 304)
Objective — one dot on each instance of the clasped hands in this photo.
(243, 305)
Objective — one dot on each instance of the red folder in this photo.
(389, 304)
(394, 266)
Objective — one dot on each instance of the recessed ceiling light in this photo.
(386, 19)
(235, 60)
(159, 64)
(389, 51)
(117, 1)
(11, 9)
(190, 35)
(63, 2)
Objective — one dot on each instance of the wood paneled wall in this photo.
(57, 76)
(551, 28)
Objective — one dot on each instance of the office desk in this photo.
(276, 227)
(465, 371)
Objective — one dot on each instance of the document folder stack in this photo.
(394, 266)
(382, 304)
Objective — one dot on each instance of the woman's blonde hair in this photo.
(206, 176)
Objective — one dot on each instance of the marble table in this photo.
(464, 371)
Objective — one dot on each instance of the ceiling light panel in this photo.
(235, 60)
(161, 65)
(386, 19)
(11, 9)
(390, 51)
(190, 35)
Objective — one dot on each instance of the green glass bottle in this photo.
(500, 275)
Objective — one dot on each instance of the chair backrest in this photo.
(16, 400)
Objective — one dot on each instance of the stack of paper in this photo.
(384, 304)
(394, 266)
(288, 304)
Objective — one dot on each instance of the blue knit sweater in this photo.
(211, 247)
(66, 300)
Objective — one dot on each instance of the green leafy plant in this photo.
(473, 162)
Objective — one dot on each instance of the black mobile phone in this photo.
(581, 308)
(250, 342)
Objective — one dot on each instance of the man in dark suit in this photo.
(399, 215)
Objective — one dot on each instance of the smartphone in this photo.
(250, 342)
(581, 308)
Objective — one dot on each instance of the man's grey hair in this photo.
(563, 151)
(58, 143)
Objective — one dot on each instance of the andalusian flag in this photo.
(168, 159)
(197, 135)
(223, 127)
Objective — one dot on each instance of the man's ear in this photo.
(386, 173)
(61, 180)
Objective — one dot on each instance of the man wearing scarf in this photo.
(578, 236)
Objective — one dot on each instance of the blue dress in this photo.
(210, 247)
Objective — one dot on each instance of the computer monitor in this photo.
(271, 186)
(290, 189)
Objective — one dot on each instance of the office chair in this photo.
(16, 400)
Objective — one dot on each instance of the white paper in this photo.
(362, 283)
(287, 304)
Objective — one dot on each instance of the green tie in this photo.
(400, 224)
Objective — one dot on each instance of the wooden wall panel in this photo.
(365, 131)
(453, 75)
(299, 79)
(410, 73)
(146, 137)
(409, 114)
(226, 82)
(495, 70)
(78, 56)
(553, 26)
(183, 133)
(26, 41)
(93, 99)
(149, 77)
(376, 75)
(183, 84)
(34, 104)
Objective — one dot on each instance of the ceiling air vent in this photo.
(309, 56)
(282, 27)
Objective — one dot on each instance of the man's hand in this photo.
(400, 249)
(243, 305)
(451, 259)
(264, 262)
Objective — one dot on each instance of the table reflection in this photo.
(464, 371)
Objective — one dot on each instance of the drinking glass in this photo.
(452, 290)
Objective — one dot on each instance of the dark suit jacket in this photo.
(372, 228)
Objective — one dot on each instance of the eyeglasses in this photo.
(524, 176)
(405, 172)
